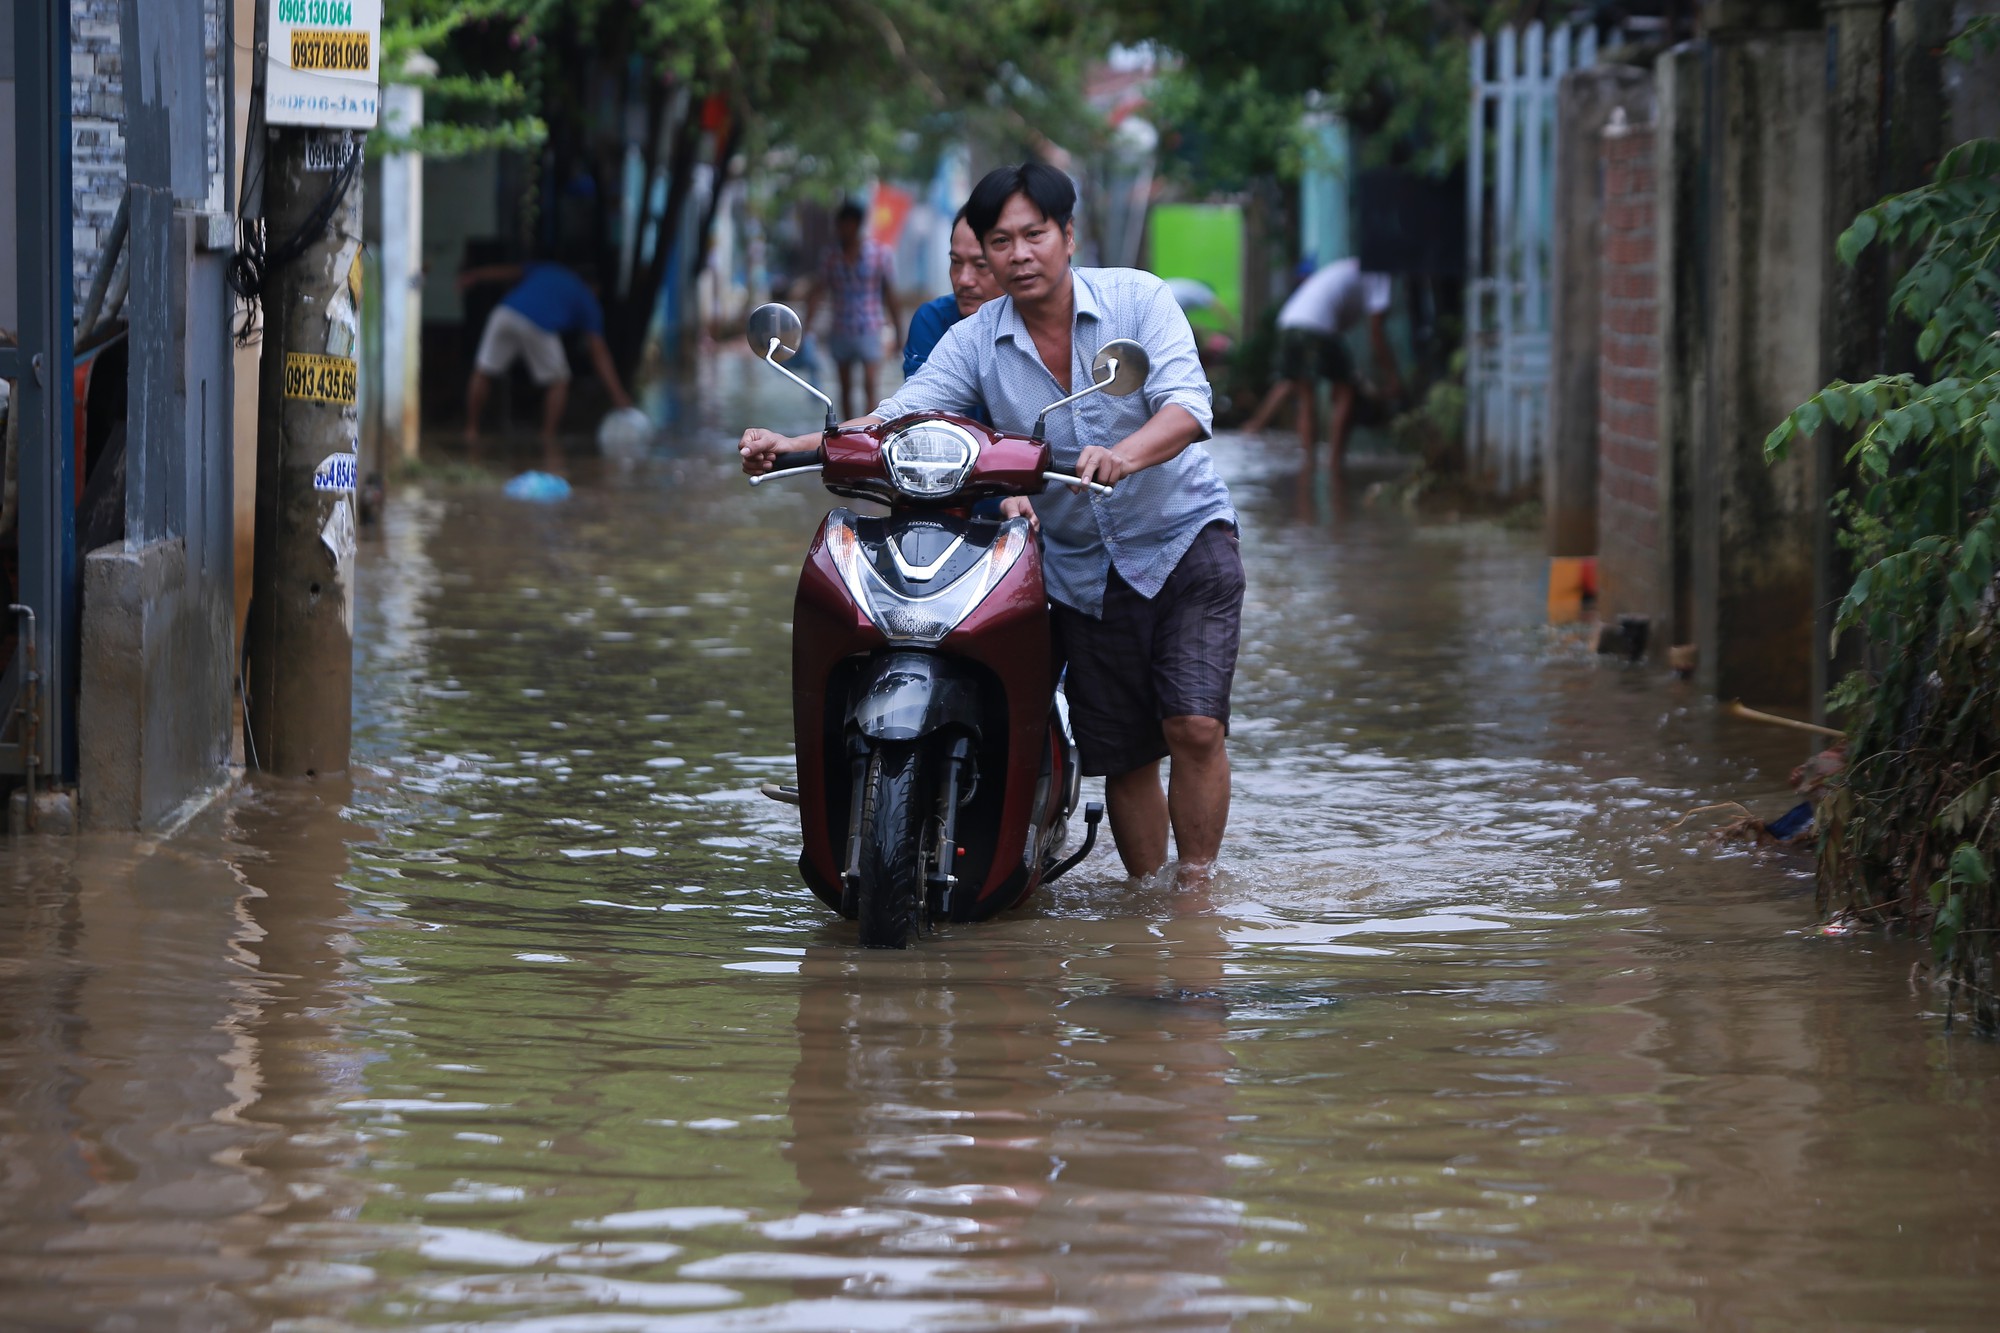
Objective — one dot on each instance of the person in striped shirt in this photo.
(857, 279)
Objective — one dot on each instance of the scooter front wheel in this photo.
(891, 892)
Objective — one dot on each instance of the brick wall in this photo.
(97, 124)
(1628, 421)
(215, 55)
(96, 131)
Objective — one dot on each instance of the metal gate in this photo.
(39, 549)
(1510, 227)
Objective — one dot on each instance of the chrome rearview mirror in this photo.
(1121, 367)
(776, 333)
(775, 330)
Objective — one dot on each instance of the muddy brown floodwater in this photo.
(534, 1029)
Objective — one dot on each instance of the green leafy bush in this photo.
(1912, 829)
(466, 111)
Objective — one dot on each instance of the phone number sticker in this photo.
(340, 12)
(334, 473)
(329, 49)
(319, 379)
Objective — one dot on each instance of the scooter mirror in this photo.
(1124, 361)
(772, 320)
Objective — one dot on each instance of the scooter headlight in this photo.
(930, 458)
(929, 618)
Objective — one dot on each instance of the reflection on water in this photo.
(534, 1029)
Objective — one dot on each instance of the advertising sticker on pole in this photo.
(323, 63)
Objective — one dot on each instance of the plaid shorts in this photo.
(1145, 660)
(1305, 353)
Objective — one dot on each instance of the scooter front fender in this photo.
(907, 695)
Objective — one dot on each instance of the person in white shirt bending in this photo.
(1311, 348)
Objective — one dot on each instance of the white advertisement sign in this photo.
(323, 63)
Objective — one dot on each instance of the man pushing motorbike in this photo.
(1146, 582)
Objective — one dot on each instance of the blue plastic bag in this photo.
(542, 487)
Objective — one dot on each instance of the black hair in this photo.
(957, 218)
(1042, 185)
(850, 212)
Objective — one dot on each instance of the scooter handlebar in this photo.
(1070, 480)
(783, 465)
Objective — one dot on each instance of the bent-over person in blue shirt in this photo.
(545, 302)
(1146, 582)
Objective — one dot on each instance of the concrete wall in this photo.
(248, 359)
(158, 648)
(1754, 523)
(460, 204)
(1585, 102)
(10, 296)
(1972, 90)
(1856, 295)
(396, 314)
(1628, 424)
(1680, 237)
(1772, 132)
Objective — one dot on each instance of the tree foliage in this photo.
(1914, 828)
(844, 87)
(820, 95)
(882, 84)
(1247, 72)
(467, 111)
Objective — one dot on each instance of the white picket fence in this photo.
(1510, 229)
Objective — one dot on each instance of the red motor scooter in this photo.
(936, 772)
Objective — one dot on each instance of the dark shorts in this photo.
(1304, 354)
(1147, 660)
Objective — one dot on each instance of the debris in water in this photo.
(1811, 777)
(1794, 823)
(542, 487)
(1792, 826)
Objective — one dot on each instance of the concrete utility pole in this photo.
(301, 631)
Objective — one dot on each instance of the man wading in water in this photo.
(1146, 582)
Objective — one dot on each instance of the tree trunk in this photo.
(627, 319)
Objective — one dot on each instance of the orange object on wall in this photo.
(1572, 586)
(887, 215)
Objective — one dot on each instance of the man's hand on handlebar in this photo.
(1017, 506)
(760, 448)
(1103, 466)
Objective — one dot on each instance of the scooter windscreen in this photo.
(918, 579)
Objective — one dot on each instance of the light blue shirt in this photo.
(1150, 518)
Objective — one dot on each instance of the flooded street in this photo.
(536, 1029)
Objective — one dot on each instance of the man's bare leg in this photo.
(1308, 396)
(477, 390)
(1198, 790)
(1273, 400)
(1305, 499)
(845, 369)
(1138, 811)
(1338, 427)
(554, 399)
(868, 398)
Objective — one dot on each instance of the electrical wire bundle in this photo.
(257, 258)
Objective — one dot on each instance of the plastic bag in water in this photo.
(543, 487)
(625, 436)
